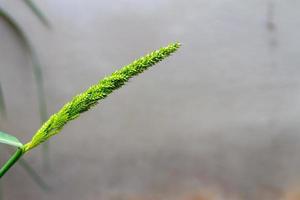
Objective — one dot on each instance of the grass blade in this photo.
(34, 175)
(15, 27)
(39, 14)
(9, 140)
(37, 71)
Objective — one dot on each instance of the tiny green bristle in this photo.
(91, 96)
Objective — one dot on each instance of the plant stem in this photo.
(13, 159)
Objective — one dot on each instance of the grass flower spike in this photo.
(91, 96)
(84, 102)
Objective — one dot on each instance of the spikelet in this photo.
(91, 96)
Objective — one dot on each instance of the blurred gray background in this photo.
(221, 114)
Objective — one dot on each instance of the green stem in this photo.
(13, 159)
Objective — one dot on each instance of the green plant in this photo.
(84, 102)
(37, 72)
(38, 13)
(36, 66)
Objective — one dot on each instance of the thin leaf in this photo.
(31, 172)
(37, 69)
(40, 15)
(16, 28)
(9, 140)
(34, 175)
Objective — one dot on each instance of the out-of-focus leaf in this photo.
(34, 175)
(37, 70)
(13, 24)
(40, 15)
(9, 139)
(35, 62)
(2, 103)
(31, 172)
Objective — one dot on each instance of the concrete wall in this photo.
(223, 111)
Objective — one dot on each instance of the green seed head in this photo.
(91, 96)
